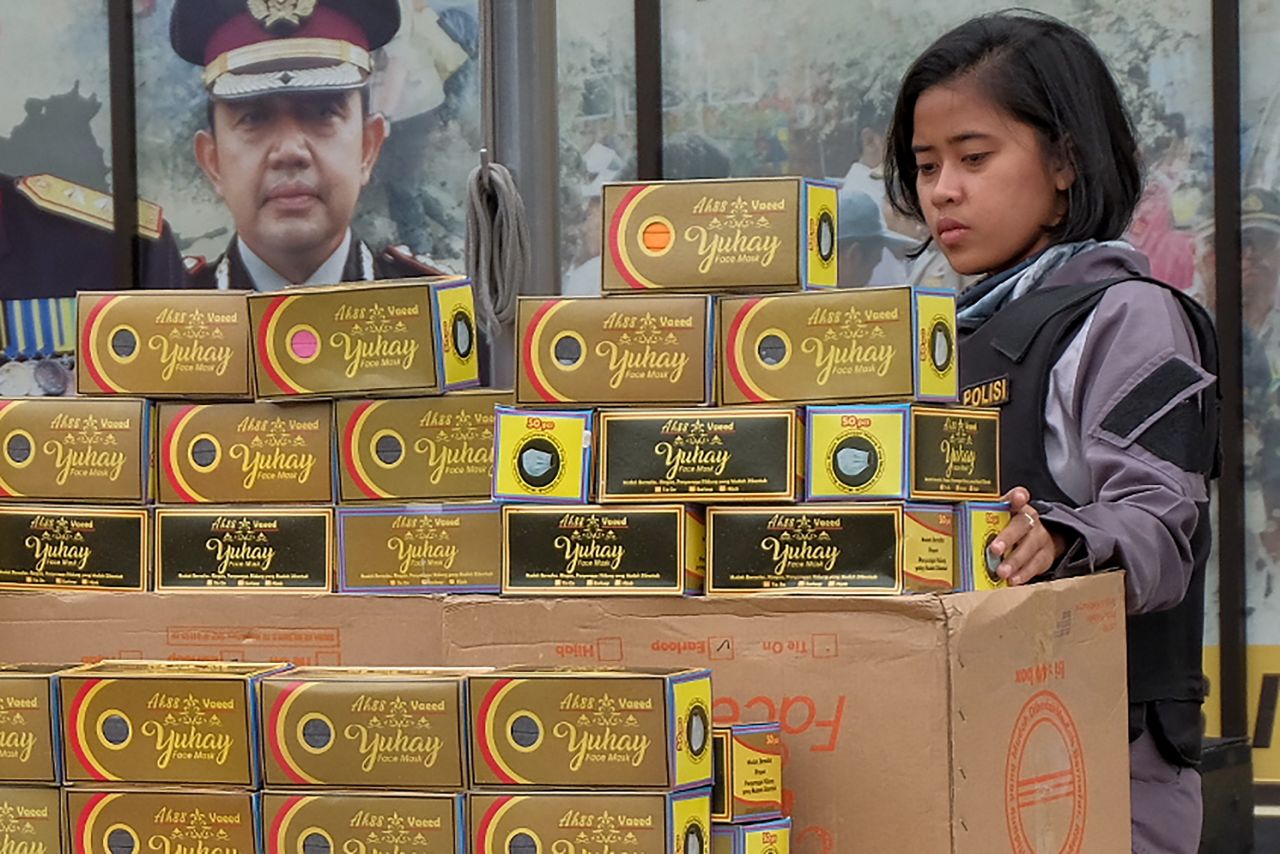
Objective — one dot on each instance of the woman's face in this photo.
(986, 186)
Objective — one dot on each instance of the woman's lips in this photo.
(951, 232)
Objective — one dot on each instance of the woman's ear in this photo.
(1064, 172)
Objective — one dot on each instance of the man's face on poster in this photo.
(290, 168)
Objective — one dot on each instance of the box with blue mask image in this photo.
(905, 452)
(542, 455)
(979, 525)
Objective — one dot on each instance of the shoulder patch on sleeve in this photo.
(1158, 410)
(92, 207)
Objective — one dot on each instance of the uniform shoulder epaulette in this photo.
(84, 204)
(405, 259)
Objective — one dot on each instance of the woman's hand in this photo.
(1026, 548)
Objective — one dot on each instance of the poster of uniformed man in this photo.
(324, 140)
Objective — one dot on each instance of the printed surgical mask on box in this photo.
(542, 456)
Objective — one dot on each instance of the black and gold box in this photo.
(614, 822)
(712, 455)
(83, 450)
(450, 548)
(748, 783)
(805, 549)
(651, 350)
(591, 729)
(74, 548)
(866, 345)
(250, 453)
(741, 234)
(542, 456)
(31, 820)
(29, 748)
(594, 550)
(243, 548)
(164, 344)
(980, 524)
(363, 823)
(930, 549)
(162, 820)
(369, 338)
(901, 452)
(161, 722)
(365, 727)
(419, 448)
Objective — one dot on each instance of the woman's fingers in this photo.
(1023, 523)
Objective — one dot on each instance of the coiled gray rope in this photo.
(497, 243)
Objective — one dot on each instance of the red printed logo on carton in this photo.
(1045, 784)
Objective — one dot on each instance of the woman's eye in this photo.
(926, 168)
(977, 158)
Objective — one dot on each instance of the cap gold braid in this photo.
(336, 51)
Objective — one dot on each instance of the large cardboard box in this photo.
(966, 724)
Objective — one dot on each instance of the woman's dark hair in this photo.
(1047, 75)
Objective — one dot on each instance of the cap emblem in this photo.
(274, 12)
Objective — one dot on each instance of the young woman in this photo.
(1012, 144)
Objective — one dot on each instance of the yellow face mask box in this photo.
(363, 823)
(895, 344)
(589, 550)
(82, 450)
(582, 822)
(31, 820)
(748, 783)
(650, 350)
(254, 453)
(162, 722)
(413, 337)
(930, 547)
(418, 448)
(980, 524)
(29, 749)
(766, 837)
(364, 727)
(542, 456)
(592, 729)
(162, 820)
(441, 548)
(772, 234)
(164, 344)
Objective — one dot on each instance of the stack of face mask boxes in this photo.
(160, 756)
(746, 803)
(30, 761)
(205, 452)
(706, 426)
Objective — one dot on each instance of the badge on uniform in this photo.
(990, 393)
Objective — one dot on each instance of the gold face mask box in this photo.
(364, 728)
(179, 722)
(164, 344)
(649, 350)
(955, 454)
(851, 346)
(591, 729)
(542, 456)
(74, 548)
(162, 821)
(432, 448)
(74, 449)
(30, 820)
(930, 547)
(596, 551)
(766, 837)
(370, 338)
(29, 750)
(980, 524)
(747, 234)
(450, 548)
(268, 549)
(589, 822)
(721, 455)
(748, 780)
(815, 549)
(352, 823)
(255, 453)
